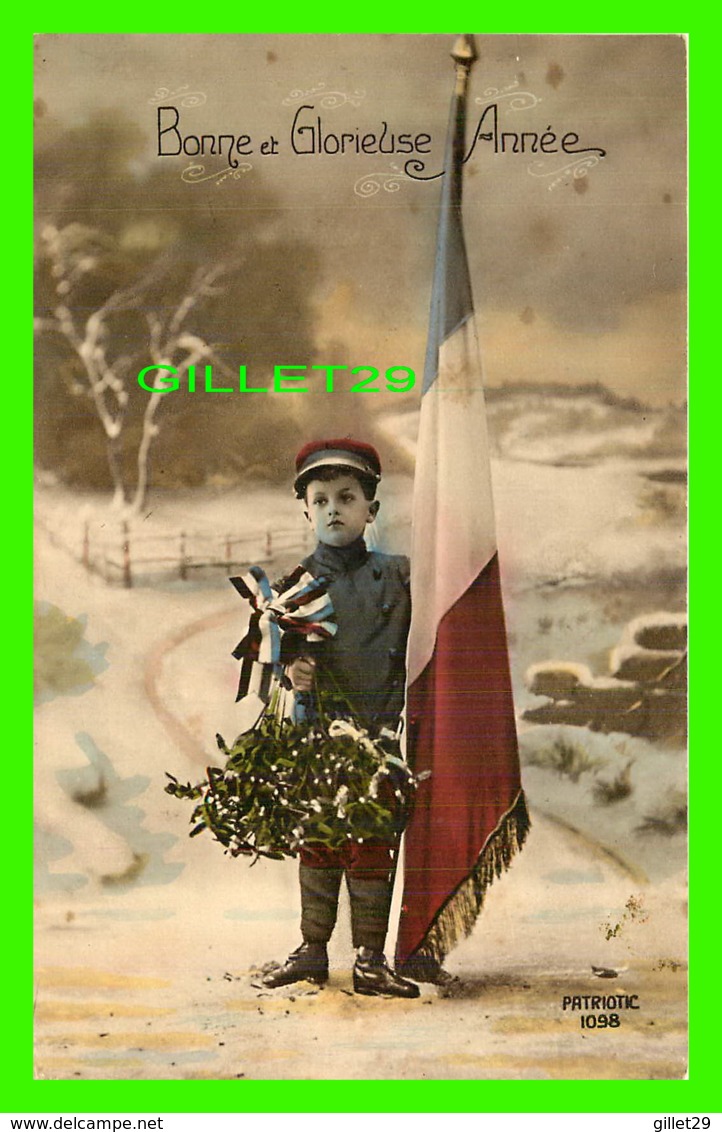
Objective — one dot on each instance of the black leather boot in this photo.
(309, 961)
(426, 969)
(372, 975)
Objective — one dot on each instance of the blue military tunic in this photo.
(365, 660)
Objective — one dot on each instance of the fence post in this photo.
(182, 565)
(86, 545)
(268, 551)
(127, 572)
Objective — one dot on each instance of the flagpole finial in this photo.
(464, 51)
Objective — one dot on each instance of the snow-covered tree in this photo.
(78, 255)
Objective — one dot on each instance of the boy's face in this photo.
(337, 510)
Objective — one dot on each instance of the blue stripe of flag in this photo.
(451, 299)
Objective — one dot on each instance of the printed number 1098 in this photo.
(599, 1021)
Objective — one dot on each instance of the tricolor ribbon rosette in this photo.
(303, 607)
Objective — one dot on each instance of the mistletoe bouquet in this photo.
(286, 784)
(314, 778)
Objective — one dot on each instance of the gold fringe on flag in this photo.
(456, 919)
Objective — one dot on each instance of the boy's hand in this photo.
(301, 672)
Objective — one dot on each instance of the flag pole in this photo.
(464, 55)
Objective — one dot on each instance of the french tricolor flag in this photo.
(470, 816)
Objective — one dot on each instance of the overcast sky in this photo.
(575, 278)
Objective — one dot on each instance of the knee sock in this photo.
(319, 902)
(370, 907)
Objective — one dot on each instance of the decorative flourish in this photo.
(193, 174)
(574, 170)
(517, 99)
(371, 183)
(296, 95)
(330, 99)
(188, 98)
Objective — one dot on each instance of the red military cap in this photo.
(338, 453)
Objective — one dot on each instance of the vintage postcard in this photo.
(259, 258)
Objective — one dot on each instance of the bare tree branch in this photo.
(74, 253)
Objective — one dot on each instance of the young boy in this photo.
(365, 661)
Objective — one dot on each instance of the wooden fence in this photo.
(124, 555)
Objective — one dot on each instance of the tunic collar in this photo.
(342, 559)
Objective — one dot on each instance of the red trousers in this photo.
(369, 860)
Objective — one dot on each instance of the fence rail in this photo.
(123, 555)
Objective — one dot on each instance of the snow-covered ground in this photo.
(584, 549)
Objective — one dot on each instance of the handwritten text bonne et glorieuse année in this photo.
(310, 136)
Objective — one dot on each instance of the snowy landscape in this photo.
(147, 943)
